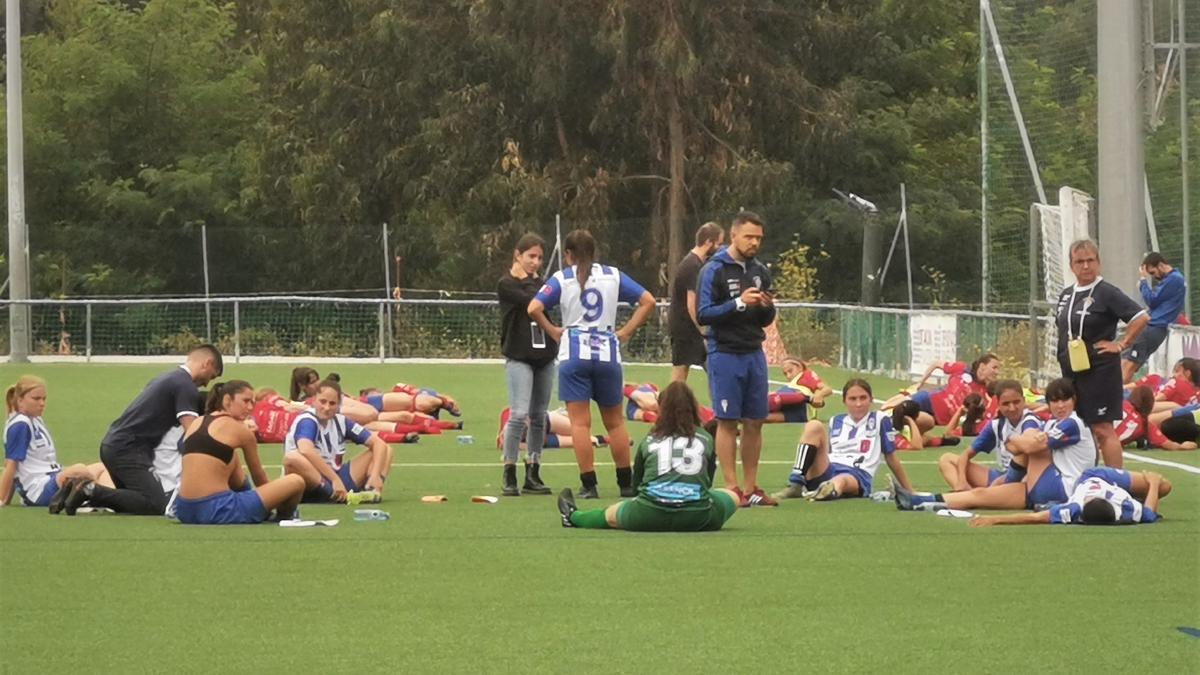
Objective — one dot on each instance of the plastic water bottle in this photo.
(370, 514)
(466, 440)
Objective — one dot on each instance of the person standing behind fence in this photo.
(528, 365)
(128, 448)
(1164, 291)
(1088, 354)
(687, 343)
(735, 300)
(589, 351)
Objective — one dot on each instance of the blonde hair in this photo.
(18, 390)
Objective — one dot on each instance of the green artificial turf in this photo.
(463, 587)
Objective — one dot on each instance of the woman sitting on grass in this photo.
(673, 471)
(213, 488)
(30, 459)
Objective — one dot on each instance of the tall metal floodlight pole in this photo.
(18, 269)
(1121, 151)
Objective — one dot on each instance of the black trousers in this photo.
(138, 492)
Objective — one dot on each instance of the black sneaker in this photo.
(509, 488)
(56, 502)
(588, 492)
(533, 482)
(628, 491)
(80, 492)
(566, 506)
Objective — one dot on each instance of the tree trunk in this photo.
(676, 237)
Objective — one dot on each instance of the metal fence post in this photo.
(88, 331)
(237, 332)
(382, 346)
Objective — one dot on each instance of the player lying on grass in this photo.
(1181, 389)
(841, 461)
(395, 407)
(1053, 459)
(31, 466)
(1135, 428)
(213, 487)
(1183, 426)
(909, 436)
(315, 448)
(1102, 496)
(672, 472)
(938, 405)
(789, 403)
(558, 431)
(1013, 418)
(642, 404)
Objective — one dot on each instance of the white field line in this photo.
(1162, 462)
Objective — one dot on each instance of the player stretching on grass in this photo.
(841, 461)
(30, 460)
(589, 351)
(1013, 419)
(1053, 459)
(213, 488)
(316, 445)
(734, 298)
(1102, 496)
(673, 474)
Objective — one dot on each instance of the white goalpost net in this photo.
(1059, 225)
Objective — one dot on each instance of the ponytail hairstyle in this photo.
(18, 390)
(678, 413)
(974, 415)
(904, 410)
(301, 377)
(986, 358)
(216, 395)
(582, 247)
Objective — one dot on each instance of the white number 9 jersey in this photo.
(592, 308)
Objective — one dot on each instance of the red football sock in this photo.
(780, 399)
(650, 417)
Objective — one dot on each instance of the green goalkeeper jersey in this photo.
(675, 473)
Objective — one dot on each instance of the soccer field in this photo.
(463, 587)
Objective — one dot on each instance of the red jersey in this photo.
(1178, 391)
(1133, 427)
(808, 379)
(1153, 381)
(272, 420)
(947, 400)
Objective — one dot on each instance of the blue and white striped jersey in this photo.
(589, 314)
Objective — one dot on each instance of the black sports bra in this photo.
(202, 442)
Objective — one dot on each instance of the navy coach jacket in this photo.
(734, 329)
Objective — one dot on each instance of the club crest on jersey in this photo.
(871, 422)
(758, 281)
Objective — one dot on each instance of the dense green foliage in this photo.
(293, 129)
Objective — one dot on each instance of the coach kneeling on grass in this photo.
(1088, 353)
(128, 448)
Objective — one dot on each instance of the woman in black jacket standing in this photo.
(529, 365)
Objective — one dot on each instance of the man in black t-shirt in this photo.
(1088, 312)
(127, 450)
(687, 343)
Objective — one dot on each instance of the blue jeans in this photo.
(529, 390)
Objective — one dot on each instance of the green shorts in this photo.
(641, 515)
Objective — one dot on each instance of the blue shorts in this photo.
(835, 469)
(1048, 489)
(1147, 342)
(738, 385)
(590, 380)
(47, 493)
(993, 474)
(1118, 477)
(795, 414)
(375, 401)
(347, 479)
(1185, 411)
(222, 508)
(924, 401)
